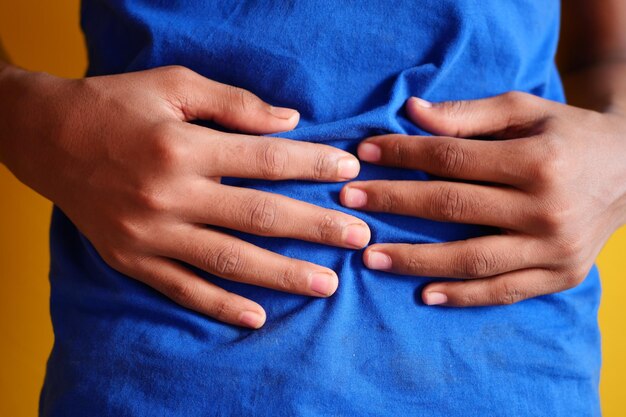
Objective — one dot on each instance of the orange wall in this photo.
(44, 35)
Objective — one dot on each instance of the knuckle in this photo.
(183, 292)
(327, 228)
(575, 276)
(511, 95)
(550, 222)
(151, 200)
(568, 277)
(397, 152)
(454, 108)
(262, 215)
(514, 98)
(288, 279)
(177, 71)
(221, 308)
(450, 158)
(167, 151)
(272, 161)
(129, 231)
(225, 260)
(468, 298)
(569, 280)
(478, 262)
(411, 264)
(240, 100)
(384, 200)
(554, 216)
(447, 204)
(549, 165)
(546, 173)
(570, 249)
(176, 77)
(115, 257)
(514, 102)
(518, 102)
(322, 166)
(508, 294)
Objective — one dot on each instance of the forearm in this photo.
(600, 87)
(9, 92)
(5, 64)
(592, 53)
(20, 92)
(4, 102)
(18, 88)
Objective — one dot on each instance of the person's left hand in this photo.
(554, 182)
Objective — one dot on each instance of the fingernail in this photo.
(378, 261)
(422, 103)
(251, 319)
(348, 168)
(323, 283)
(355, 198)
(369, 152)
(283, 112)
(356, 235)
(435, 298)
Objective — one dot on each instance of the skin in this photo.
(124, 145)
(556, 199)
(118, 156)
(553, 177)
(4, 57)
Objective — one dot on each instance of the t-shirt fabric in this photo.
(373, 348)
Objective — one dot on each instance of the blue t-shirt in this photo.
(373, 348)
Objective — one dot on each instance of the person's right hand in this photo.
(117, 155)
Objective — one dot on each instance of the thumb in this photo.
(500, 117)
(199, 98)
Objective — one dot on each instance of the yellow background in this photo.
(44, 35)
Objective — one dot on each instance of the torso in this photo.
(373, 348)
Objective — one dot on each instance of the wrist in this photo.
(24, 99)
(8, 94)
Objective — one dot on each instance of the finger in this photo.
(468, 259)
(477, 160)
(505, 116)
(196, 97)
(191, 291)
(504, 289)
(442, 201)
(240, 156)
(234, 259)
(268, 214)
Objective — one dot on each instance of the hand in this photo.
(554, 182)
(116, 155)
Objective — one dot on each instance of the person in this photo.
(209, 155)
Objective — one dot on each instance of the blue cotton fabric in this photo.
(373, 348)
